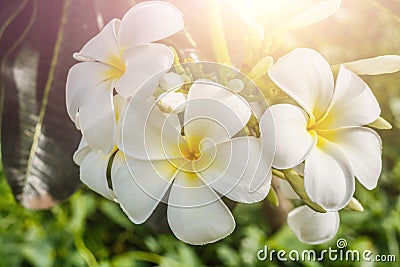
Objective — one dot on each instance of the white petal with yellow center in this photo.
(144, 65)
(293, 141)
(205, 154)
(103, 47)
(343, 148)
(306, 77)
(363, 148)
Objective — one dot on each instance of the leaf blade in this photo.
(37, 137)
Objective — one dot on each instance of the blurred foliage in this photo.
(88, 230)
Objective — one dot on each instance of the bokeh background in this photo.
(87, 230)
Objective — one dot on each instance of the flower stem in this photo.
(278, 174)
(83, 250)
(216, 28)
(297, 183)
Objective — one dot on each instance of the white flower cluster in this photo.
(188, 148)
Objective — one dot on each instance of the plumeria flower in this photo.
(94, 165)
(190, 166)
(309, 226)
(326, 130)
(121, 57)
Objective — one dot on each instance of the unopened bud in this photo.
(172, 102)
(171, 81)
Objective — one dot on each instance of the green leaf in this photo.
(40, 255)
(113, 212)
(37, 137)
(228, 255)
(297, 184)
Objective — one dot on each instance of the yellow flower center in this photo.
(319, 130)
(117, 67)
(190, 150)
(193, 159)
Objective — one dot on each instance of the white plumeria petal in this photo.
(144, 65)
(363, 148)
(98, 125)
(210, 103)
(196, 214)
(286, 126)
(328, 176)
(312, 227)
(353, 103)
(239, 171)
(148, 22)
(204, 128)
(375, 66)
(103, 47)
(306, 77)
(312, 15)
(81, 79)
(119, 105)
(148, 134)
(139, 185)
(93, 172)
(81, 152)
